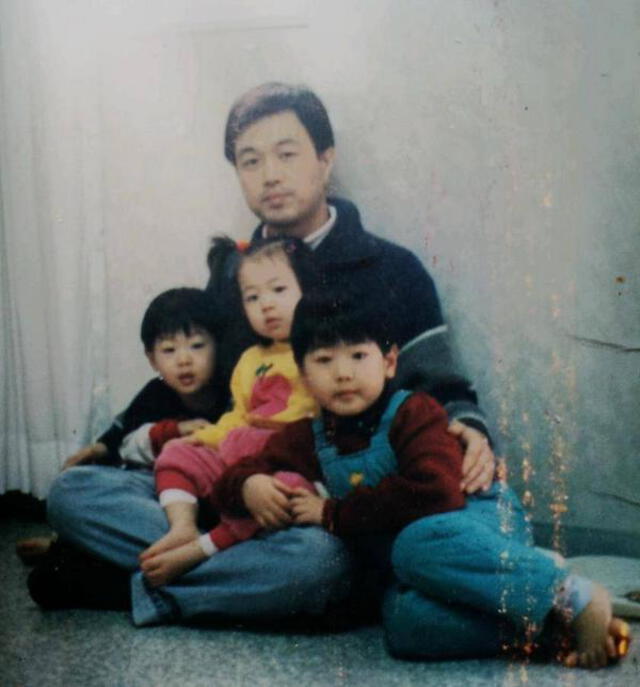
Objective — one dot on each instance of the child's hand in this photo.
(187, 427)
(267, 499)
(307, 508)
(95, 453)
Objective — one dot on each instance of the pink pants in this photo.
(196, 470)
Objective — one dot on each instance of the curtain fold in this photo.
(53, 356)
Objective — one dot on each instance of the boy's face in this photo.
(282, 176)
(346, 379)
(270, 292)
(186, 363)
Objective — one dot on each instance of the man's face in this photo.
(282, 177)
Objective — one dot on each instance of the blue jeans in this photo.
(115, 515)
(468, 581)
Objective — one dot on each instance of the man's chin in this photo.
(280, 225)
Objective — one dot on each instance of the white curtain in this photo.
(52, 273)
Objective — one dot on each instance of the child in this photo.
(267, 394)
(178, 330)
(392, 471)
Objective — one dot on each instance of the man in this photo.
(280, 141)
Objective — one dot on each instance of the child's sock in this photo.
(573, 595)
(207, 546)
(168, 496)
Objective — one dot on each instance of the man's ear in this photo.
(391, 362)
(327, 157)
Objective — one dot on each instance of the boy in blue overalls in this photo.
(465, 577)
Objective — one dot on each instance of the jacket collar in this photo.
(347, 242)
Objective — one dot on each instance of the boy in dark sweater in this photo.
(392, 473)
(178, 331)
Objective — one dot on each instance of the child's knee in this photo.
(174, 454)
(415, 545)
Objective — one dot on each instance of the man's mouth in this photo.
(275, 198)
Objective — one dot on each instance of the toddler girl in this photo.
(267, 394)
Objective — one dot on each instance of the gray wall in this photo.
(498, 140)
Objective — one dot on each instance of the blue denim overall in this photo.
(342, 473)
(465, 582)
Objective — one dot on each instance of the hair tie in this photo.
(242, 246)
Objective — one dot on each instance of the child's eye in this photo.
(167, 349)
(359, 355)
(323, 359)
(197, 344)
(279, 289)
(251, 298)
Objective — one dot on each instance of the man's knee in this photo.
(78, 489)
(321, 561)
(65, 494)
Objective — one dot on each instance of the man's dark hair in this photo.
(272, 98)
(322, 320)
(178, 310)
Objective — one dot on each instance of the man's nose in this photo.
(272, 170)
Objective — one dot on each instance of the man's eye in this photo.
(249, 162)
(287, 154)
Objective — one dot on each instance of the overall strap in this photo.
(364, 467)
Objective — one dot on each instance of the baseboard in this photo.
(584, 541)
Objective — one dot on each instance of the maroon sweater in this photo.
(427, 481)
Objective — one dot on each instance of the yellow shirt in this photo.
(267, 391)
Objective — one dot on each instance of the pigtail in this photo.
(222, 260)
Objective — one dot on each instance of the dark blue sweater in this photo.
(368, 269)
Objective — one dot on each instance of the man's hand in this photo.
(95, 453)
(479, 463)
(267, 499)
(187, 427)
(307, 508)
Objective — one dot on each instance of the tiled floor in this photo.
(103, 649)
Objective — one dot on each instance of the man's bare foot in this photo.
(600, 638)
(33, 549)
(174, 538)
(165, 567)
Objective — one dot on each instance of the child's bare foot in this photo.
(33, 549)
(174, 538)
(165, 567)
(600, 638)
